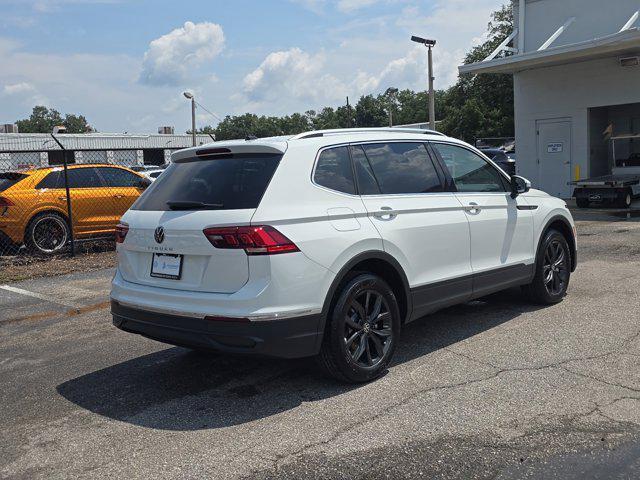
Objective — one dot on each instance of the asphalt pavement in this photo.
(496, 388)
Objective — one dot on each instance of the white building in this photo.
(22, 150)
(576, 68)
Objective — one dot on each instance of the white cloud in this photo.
(316, 6)
(353, 5)
(292, 75)
(25, 93)
(18, 88)
(176, 56)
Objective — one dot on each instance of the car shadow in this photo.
(178, 389)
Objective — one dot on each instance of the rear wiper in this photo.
(191, 205)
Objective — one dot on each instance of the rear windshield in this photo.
(229, 183)
(9, 179)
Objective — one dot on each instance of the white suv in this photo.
(324, 244)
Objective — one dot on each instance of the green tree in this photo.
(43, 119)
(488, 99)
(371, 111)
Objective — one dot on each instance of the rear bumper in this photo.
(286, 338)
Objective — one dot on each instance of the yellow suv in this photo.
(33, 203)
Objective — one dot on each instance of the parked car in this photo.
(326, 243)
(503, 159)
(33, 203)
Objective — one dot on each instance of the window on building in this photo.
(56, 157)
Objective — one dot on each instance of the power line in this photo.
(208, 111)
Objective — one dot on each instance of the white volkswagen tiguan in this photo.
(325, 243)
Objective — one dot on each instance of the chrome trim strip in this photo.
(252, 318)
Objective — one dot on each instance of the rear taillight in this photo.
(257, 240)
(121, 232)
(5, 202)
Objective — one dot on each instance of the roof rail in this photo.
(344, 131)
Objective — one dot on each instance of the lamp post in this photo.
(190, 96)
(432, 103)
(391, 95)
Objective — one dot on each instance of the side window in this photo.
(367, 183)
(53, 180)
(402, 168)
(117, 177)
(470, 172)
(84, 178)
(333, 170)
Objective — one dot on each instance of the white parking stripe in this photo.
(46, 298)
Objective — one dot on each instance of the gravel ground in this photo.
(88, 258)
(495, 388)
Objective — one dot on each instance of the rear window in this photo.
(334, 170)
(9, 179)
(231, 183)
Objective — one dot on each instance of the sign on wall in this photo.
(555, 147)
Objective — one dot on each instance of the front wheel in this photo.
(362, 330)
(553, 270)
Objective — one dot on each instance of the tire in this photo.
(582, 202)
(362, 330)
(47, 234)
(625, 200)
(553, 270)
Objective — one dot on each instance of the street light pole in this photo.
(391, 95)
(432, 101)
(193, 119)
(190, 96)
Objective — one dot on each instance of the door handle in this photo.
(385, 213)
(473, 208)
(118, 195)
(62, 198)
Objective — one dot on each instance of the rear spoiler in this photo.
(228, 149)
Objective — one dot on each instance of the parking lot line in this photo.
(46, 298)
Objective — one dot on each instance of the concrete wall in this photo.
(594, 18)
(567, 91)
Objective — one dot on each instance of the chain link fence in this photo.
(58, 193)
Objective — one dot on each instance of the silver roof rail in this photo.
(344, 131)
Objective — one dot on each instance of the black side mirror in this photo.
(144, 183)
(519, 185)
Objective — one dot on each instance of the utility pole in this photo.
(432, 101)
(348, 114)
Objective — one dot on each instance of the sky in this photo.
(125, 63)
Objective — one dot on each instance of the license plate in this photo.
(165, 265)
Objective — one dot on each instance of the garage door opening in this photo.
(614, 139)
(614, 157)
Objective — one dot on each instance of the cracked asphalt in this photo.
(495, 388)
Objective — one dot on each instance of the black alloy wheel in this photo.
(552, 270)
(555, 268)
(362, 328)
(368, 332)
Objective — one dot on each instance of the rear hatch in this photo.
(207, 187)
